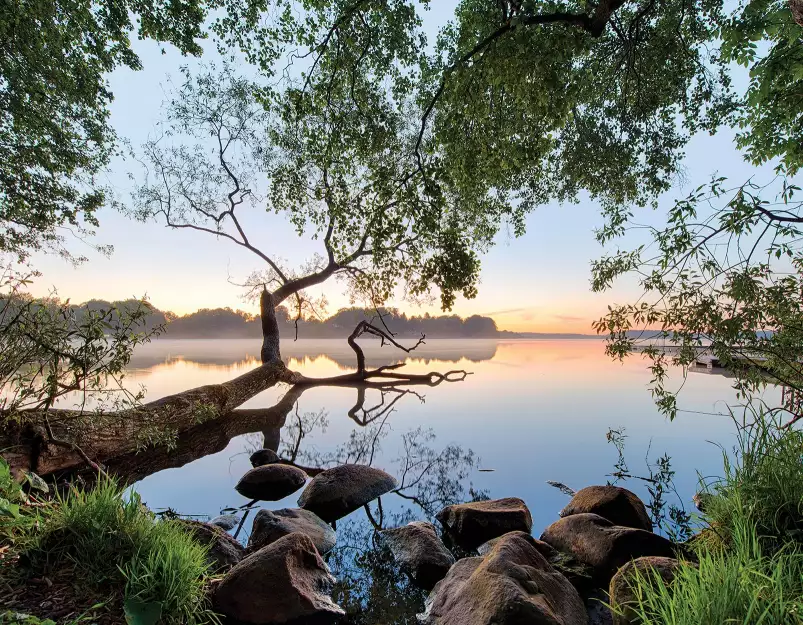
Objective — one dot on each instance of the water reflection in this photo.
(301, 354)
(531, 412)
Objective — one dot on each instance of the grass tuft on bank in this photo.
(750, 554)
(113, 546)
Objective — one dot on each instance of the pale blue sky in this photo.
(538, 282)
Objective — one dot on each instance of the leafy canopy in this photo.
(405, 160)
(723, 276)
(54, 96)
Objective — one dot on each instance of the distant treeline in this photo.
(228, 323)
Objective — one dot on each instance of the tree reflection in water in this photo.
(371, 587)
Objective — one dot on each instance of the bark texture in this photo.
(271, 353)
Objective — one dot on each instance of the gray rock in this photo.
(261, 457)
(513, 585)
(420, 552)
(618, 505)
(339, 491)
(621, 595)
(271, 525)
(225, 521)
(224, 551)
(603, 546)
(271, 482)
(471, 524)
(283, 583)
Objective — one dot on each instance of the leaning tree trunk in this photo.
(796, 6)
(270, 329)
(102, 436)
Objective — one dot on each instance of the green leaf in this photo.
(142, 613)
(36, 482)
(8, 509)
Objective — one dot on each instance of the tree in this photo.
(337, 174)
(54, 96)
(538, 102)
(723, 278)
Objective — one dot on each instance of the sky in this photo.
(536, 283)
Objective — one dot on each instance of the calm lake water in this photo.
(531, 411)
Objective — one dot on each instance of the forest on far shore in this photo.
(226, 323)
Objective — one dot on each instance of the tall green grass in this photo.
(762, 486)
(113, 542)
(751, 563)
(740, 586)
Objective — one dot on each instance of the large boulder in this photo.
(261, 457)
(618, 505)
(471, 524)
(603, 546)
(420, 552)
(339, 491)
(271, 525)
(620, 591)
(224, 551)
(284, 583)
(577, 573)
(513, 585)
(271, 482)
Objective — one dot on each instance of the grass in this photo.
(751, 563)
(116, 547)
(764, 486)
(740, 586)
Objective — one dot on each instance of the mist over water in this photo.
(531, 410)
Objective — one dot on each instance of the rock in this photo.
(618, 505)
(471, 524)
(620, 593)
(261, 457)
(283, 583)
(512, 585)
(224, 551)
(225, 521)
(271, 525)
(271, 482)
(597, 609)
(577, 573)
(336, 492)
(420, 552)
(603, 546)
(548, 551)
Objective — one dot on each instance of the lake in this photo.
(531, 411)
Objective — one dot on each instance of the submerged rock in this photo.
(271, 525)
(224, 551)
(420, 552)
(261, 457)
(225, 521)
(621, 595)
(618, 505)
(271, 482)
(471, 524)
(513, 585)
(283, 583)
(603, 546)
(339, 491)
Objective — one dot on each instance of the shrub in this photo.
(112, 541)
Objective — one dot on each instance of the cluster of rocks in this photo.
(280, 576)
(582, 562)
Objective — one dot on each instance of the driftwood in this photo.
(202, 417)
